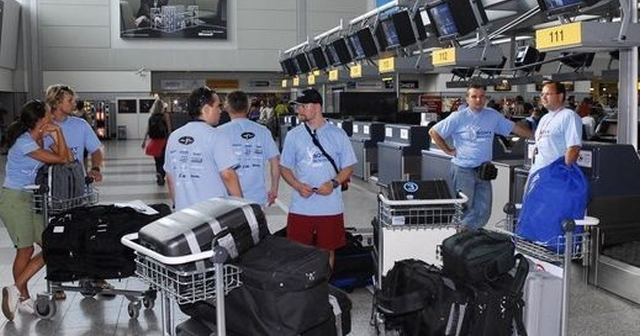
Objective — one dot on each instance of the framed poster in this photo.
(127, 106)
(145, 105)
(204, 19)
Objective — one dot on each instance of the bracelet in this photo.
(96, 169)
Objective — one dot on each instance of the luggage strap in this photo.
(515, 293)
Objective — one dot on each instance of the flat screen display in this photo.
(362, 44)
(288, 67)
(421, 20)
(380, 106)
(443, 21)
(317, 59)
(145, 105)
(303, 63)
(390, 33)
(338, 53)
(205, 19)
(554, 7)
(127, 106)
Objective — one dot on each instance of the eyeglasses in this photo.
(546, 94)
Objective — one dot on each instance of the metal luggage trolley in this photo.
(556, 262)
(177, 280)
(45, 304)
(412, 229)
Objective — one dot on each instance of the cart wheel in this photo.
(134, 309)
(45, 308)
(148, 302)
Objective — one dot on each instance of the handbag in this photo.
(345, 185)
(155, 147)
(487, 171)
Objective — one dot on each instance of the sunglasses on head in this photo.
(206, 95)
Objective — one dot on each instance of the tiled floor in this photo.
(130, 176)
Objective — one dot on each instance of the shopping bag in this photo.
(155, 147)
(554, 193)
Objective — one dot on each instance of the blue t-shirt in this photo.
(311, 167)
(472, 134)
(79, 136)
(253, 146)
(21, 168)
(196, 154)
(556, 131)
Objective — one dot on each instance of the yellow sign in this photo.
(563, 36)
(296, 81)
(333, 75)
(386, 65)
(316, 73)
(284, 83)
(311, 80)
(356, 71)
(443, 57)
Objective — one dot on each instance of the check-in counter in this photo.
(399, 153)
(287, 122)
(364, 141)
(346, 125)
(502, 188)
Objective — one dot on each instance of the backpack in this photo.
(419, 300)
(157, 127)
(64, 185)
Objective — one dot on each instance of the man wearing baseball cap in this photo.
(316, 212)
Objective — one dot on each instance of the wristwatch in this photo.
(335, 183)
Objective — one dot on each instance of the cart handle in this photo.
(129, 241)
(462, 199)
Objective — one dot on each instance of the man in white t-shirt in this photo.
(199, 159)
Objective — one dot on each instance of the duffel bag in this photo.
(477, 255)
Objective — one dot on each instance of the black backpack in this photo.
(157, 127)
(419, 300)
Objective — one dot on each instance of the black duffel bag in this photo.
(477, 255)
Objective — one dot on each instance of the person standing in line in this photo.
(253, 145)
(199, 160)
(33, 140)
(80, 139)
(559, 132)
(473, 130)
(316, 214)
(158, 129)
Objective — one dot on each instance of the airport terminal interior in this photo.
(387, 71)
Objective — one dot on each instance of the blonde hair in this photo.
(55, 93)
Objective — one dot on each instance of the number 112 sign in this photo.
(568, 35)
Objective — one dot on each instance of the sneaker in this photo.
(10, 300)
(27, 307)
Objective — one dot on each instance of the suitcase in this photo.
(193, 229)
(284, 291)
(85, 242)
(543, 304)
(354, 264)
(418, 190)
(341, 305)
(65, 185)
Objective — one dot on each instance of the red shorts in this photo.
(325, 232)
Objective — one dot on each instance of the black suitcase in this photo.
(85, 242)
(418, 190)
(477, 255)
(193, 229)
(354, 264)
(284, 291)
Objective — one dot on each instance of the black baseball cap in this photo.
(309, 96)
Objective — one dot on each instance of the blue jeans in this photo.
(478, 207)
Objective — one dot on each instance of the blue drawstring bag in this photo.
(553, 194)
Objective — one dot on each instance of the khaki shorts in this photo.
(23, 224)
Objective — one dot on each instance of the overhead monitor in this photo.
(557, 7)
(577, 60)
(317, 59)
(395, 30)
(494, 71)
(421, 21)
(362, 44)
(463, 72)
(303, 63)
(453, 19)
(288, 67)
(338, 52)
(541, 58)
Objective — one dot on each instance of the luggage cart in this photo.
(412, 229)
(183, 286)
(45, 303)
(556, 262)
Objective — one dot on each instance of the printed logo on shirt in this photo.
(484, 134)
(247, 135)
(186, 140)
